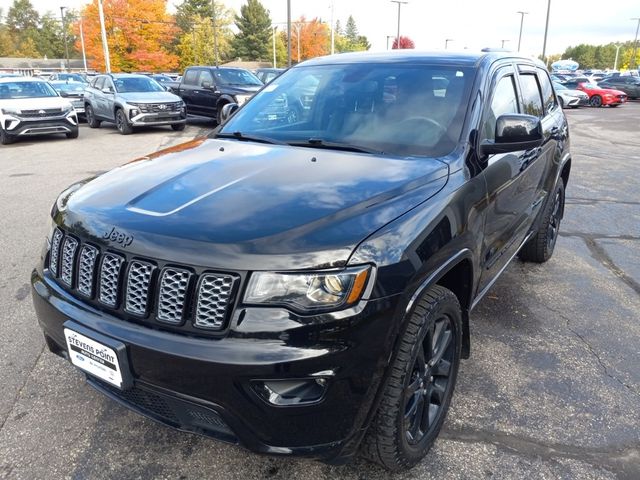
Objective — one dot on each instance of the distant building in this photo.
(37, 66)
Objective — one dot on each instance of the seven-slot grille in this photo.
(138, 287)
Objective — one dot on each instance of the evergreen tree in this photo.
(254, 36)
(50, 39)
(349, 40)
(338, 29)
(189, 9)
(351, 31)
(22, 16)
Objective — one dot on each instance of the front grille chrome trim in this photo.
(174, 283)
(54, 254)
(69, 248)
(109, 284)
(86, 270)
(213, 300)
(139, 278)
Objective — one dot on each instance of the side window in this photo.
(548, 97)
(191, 77)
(99, 83)
(205, 76)
(531, 100)
(504, 101)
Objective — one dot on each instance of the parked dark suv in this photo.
(305, 288)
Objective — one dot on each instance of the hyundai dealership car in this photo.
(30, 106)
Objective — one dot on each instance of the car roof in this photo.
(127, 75)
(470, 59)
(20, 79)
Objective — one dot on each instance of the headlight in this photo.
(308, 292)
(11, 111)
(240, 99)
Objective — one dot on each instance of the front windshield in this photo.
(71, 76)
(10, 90)
(70, 87)
(391, 108)
(136, 84)
(235, 77)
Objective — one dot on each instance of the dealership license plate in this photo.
(93, 357)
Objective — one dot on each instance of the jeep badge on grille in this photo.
(118, 237)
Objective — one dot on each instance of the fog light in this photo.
(291, 392)
(133, 112)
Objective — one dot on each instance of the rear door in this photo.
(510, 193)
(96, 96)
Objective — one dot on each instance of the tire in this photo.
(5, 138)
(595, 101)
(219, 113)
(402, 430)
(122, 124)
(178, 127)
(73, 133)
(91, 118)
(540, 246)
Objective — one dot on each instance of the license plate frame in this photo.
(97, 355)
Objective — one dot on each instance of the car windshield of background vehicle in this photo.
(69, 86)
(10, 90)
(408, 110)
(236, 77)
(135, 84)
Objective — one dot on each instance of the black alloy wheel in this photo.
(121, 123)
(595, 101)
(429, 382)
(553, 226)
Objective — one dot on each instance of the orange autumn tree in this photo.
(138, 34)
(314, 39)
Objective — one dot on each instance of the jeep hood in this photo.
(248, 206)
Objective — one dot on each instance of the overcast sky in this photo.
(473, 24)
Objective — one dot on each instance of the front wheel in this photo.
(92, 121)
(596, 101)
(540, 246)
(5, 138)
(121, 123)
(178, 127)
(422, 378)
(73, 133)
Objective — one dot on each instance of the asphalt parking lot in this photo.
(552, 389)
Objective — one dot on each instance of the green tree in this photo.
(187, 10)
(254, 36)
(49, 39)
(196, 46)
(350, 40)
(27, 49)
(281, 49)
(22, 16)
(338, 29)
(351, 30)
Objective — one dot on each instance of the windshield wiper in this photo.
(348, 147)
(250, 138)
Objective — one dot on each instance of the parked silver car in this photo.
(569, 98)
(130, 100)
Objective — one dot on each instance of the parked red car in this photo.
(599, 96)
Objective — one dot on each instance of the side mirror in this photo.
(514, 132)
(167, 88)
(107, 90)
(227, 111)
(206, 85)
(63, 94)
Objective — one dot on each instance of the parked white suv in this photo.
(30, 106)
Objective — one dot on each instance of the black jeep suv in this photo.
(305, 287)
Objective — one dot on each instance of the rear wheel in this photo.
(122, 124)
(540, 246)
(595, 101)
(5, 138)
(419, 389)
(91, 118)
(219, 114)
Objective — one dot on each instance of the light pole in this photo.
(275, 27)
(635, 44)
(546, 30)
(105, 46)
(84, 54)
(289, 33)
(446, 42)
(522, 14)
(388, 37)
(64, 32)
(215, 31)
(615, 63)
(503, 42)
(400, 3)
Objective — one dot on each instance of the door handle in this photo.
(196, 91)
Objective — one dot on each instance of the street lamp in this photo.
(522, 14)
(388, 37)
(400, 3)
(105, 45)
(546, 30)
(503, 42)
(635, 44)
(64, 32)
(446, 42)
(615, 63)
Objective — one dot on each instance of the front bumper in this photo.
(204, 385)
(17, 126)
(160, 118)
